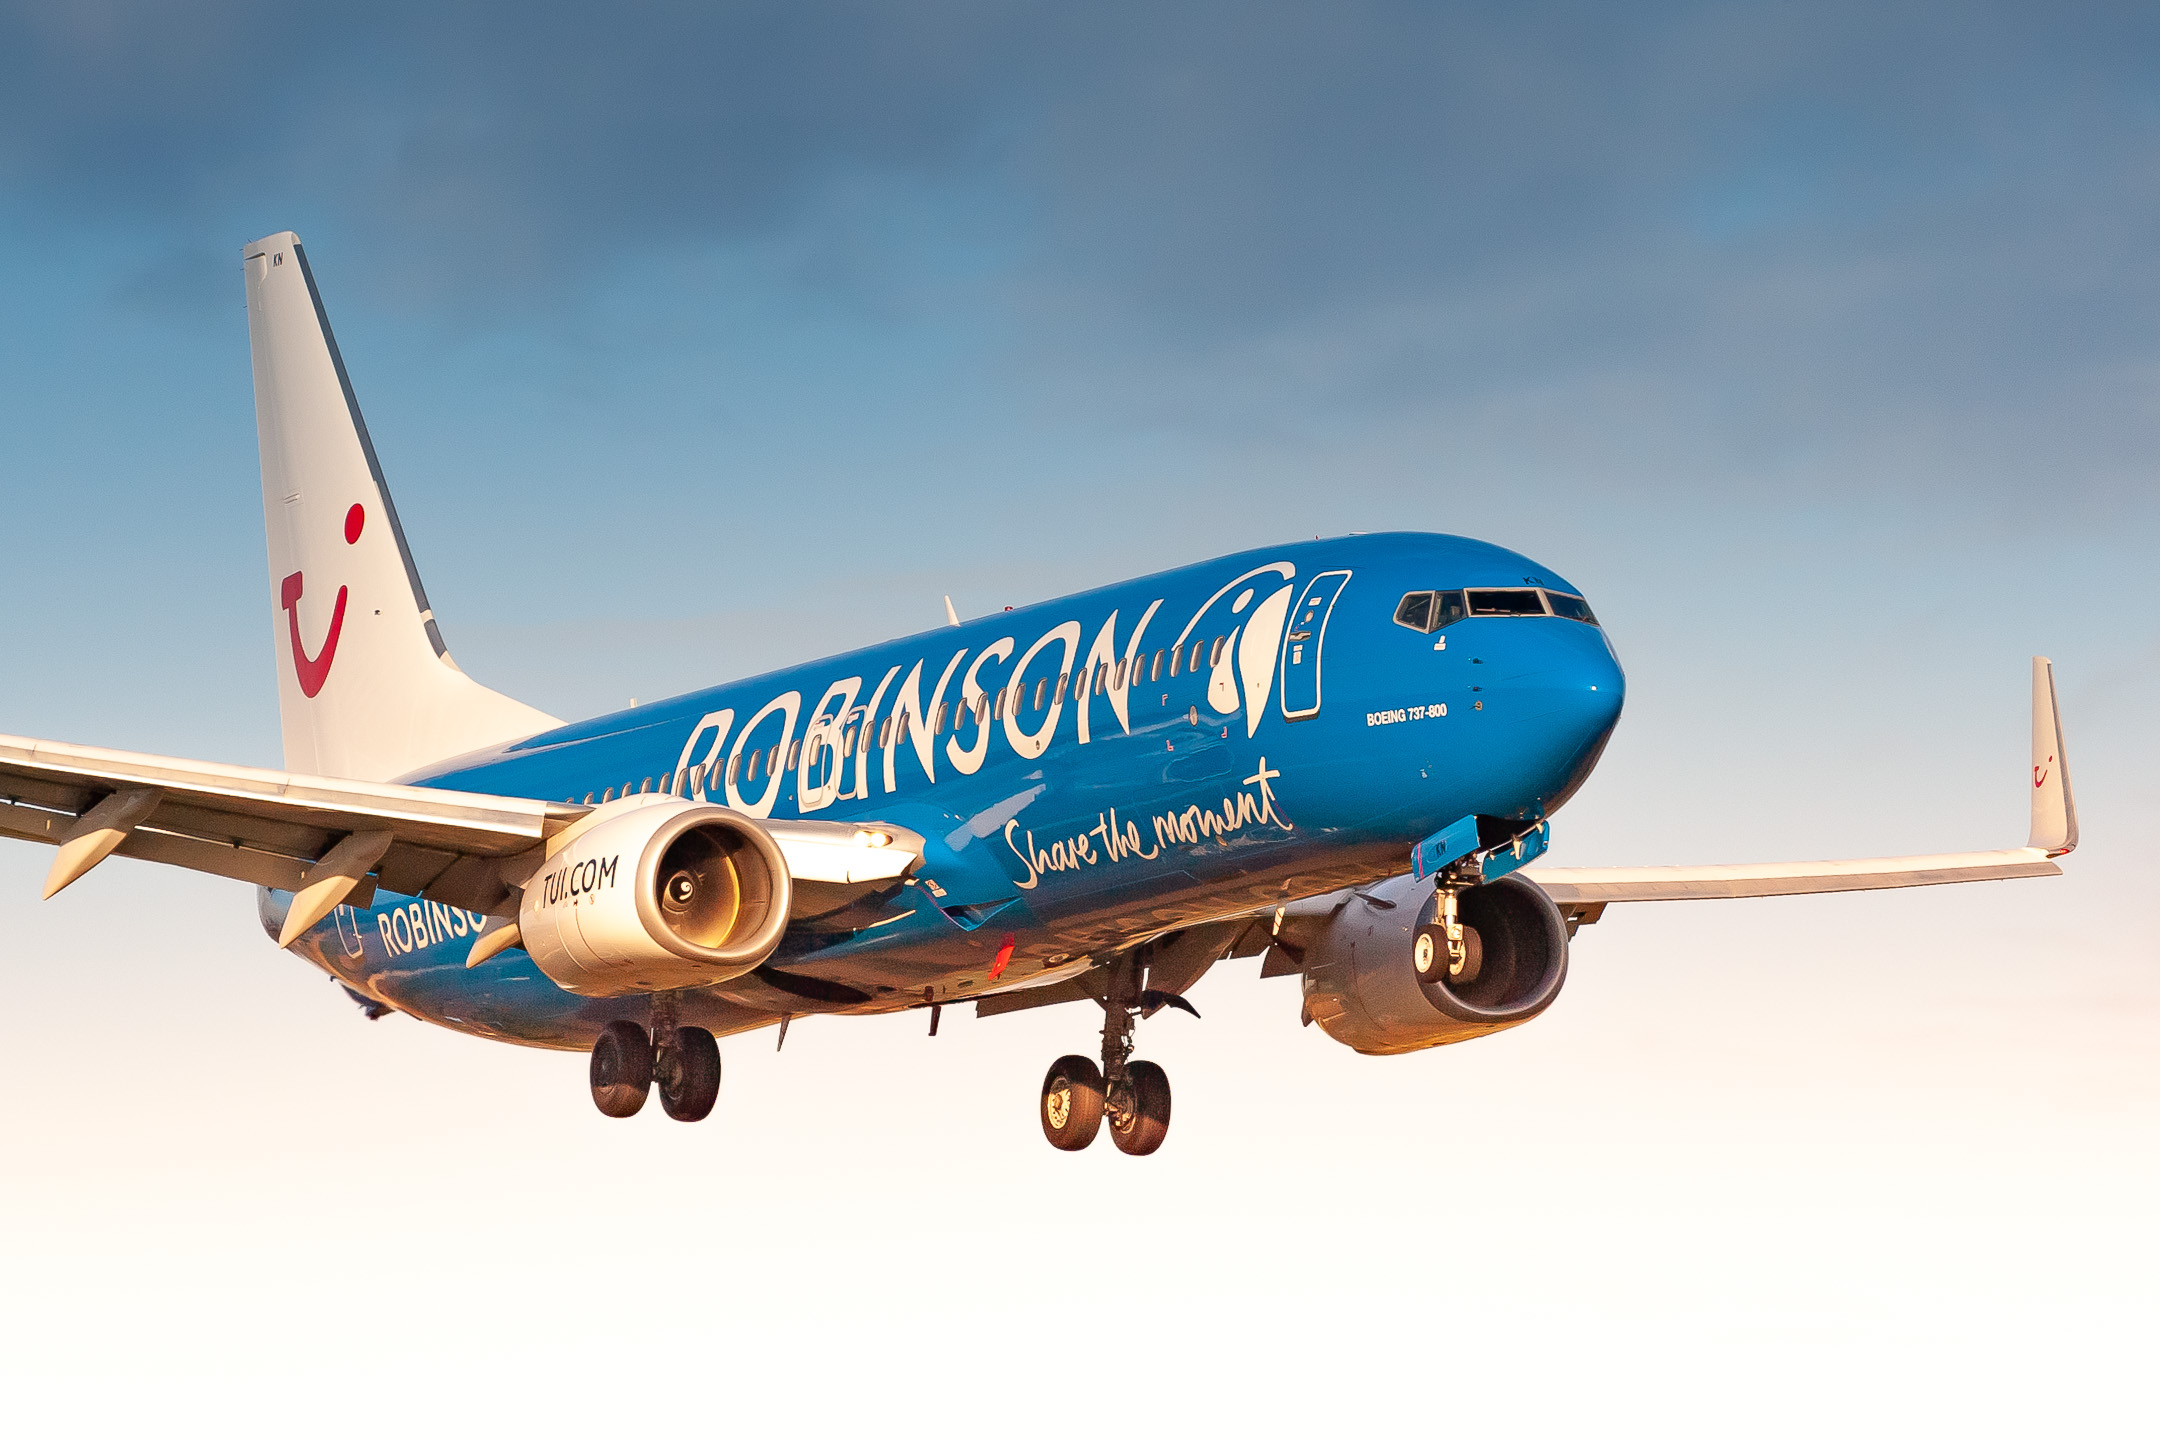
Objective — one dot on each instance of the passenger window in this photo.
(794, 754)
(1194, 663)
(1506, 602)
(1214, 654)
(1415, 611)
(1570, 607)
(1174, 654)
(1155, 670)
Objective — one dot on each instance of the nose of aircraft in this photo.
(1555, 689)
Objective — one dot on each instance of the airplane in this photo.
(1341, 756)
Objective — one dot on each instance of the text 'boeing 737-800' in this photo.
(1341, 756)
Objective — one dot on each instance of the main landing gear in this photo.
(1132, 1095)
(685, 1064)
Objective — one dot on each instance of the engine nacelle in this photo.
(663, 895)
(1361, 979)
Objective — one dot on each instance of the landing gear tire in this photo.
(687, 1069)
(1428, 955)
(1072, 1103)
(622, 1069)
(1139, 1128)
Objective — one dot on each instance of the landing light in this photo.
(875, 839)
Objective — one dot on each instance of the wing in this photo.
(265, 827)
(329, 841)
(1582, 894)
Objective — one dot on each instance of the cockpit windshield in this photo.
(1507, 602)
(1428, 610)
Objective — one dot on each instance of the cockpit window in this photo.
(1570, 607)
(1506, 602)
(1428, 610)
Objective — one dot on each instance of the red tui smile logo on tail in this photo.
(314, 671)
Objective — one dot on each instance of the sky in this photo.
(1819, 344)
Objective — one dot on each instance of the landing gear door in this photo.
(1301, 646)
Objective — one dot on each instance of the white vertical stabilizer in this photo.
(365, 688)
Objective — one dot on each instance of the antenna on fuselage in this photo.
(952, 616)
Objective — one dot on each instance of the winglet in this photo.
(2054, 812)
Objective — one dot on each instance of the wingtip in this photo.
(2054, 809)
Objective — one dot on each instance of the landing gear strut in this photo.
(1133, 1095)
(626, 1062)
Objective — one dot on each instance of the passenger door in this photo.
(1301, 647)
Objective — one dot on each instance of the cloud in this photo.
(1208, 212)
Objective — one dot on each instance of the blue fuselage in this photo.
(1179, 748)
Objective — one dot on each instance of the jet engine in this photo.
(657, 897)
(1361, 964)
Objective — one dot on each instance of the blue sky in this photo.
(1820, 344)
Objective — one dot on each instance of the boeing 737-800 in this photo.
(1339, 755)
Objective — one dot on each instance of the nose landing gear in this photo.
(626, 1062)
(1133, 1095)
